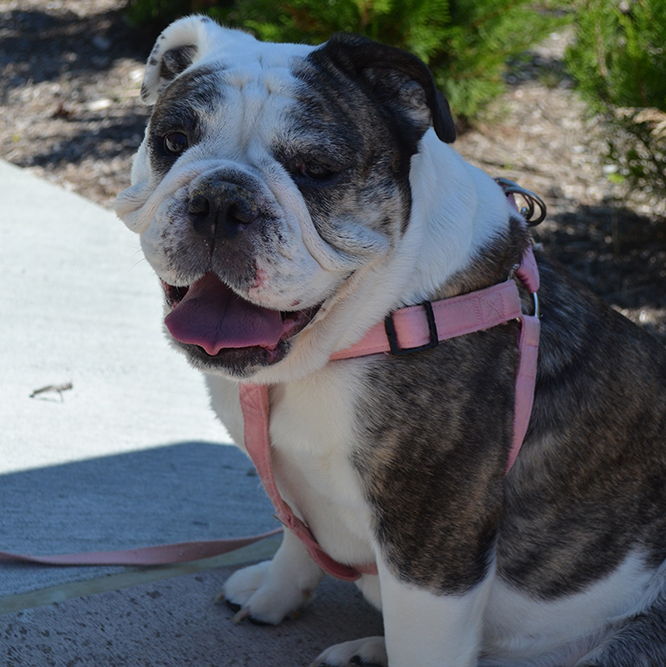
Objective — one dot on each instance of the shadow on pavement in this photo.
(173, 493)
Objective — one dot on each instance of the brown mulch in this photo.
(69, 112)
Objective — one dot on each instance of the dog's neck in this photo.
(491, 265)
(466, 239)
(472, 237)
(463, 236)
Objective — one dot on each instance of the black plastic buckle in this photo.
(393, 336)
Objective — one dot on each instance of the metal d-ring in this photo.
(535, 296)
(532, 201)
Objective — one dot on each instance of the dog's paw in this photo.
(263, 598)
(368, 652)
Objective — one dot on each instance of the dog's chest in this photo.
(313, 436)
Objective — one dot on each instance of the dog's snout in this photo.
(219, 210)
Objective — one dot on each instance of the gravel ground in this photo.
(69, 92)
(69, 111)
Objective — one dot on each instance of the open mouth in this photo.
(212, 317)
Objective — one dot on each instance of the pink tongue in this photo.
(213, 317)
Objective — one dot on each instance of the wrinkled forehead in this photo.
(257, 65)
(234, 88)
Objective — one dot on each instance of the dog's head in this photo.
(272, 180)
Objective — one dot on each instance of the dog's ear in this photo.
(400, 80)
(182, 44)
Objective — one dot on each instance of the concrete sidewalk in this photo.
(129, 456)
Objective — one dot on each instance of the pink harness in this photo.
(408, 330)
(404, 331)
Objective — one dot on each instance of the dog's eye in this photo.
(316, 172)
(176, 143)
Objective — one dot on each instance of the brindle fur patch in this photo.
(589, 485)
(177, 60)
(433, 465)
(340, 124)
(182, 107)
(492, 265)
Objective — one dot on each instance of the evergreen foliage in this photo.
(619, 63)
(466, 43)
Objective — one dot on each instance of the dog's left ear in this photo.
(400, 80)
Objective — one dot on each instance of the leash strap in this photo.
(168, 554)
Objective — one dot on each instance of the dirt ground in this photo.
(70, 112)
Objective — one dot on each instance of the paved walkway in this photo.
(129, 456)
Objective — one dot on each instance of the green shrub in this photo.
(619, 63)
(466, 43)
(155, 15)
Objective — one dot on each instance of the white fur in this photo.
(371, 650)
(272, 590)
(425, 629)
(455, 216)
(214, 42)
(518, 627)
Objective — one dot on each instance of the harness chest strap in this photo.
(411, 327)
(254, 402)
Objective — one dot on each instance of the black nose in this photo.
(219, 209)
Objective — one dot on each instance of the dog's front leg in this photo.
(430, 629)
(423, 628)
(270, 591)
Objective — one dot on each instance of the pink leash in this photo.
(403, 331)
(168, 554)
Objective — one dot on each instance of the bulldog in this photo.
(289, 198)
